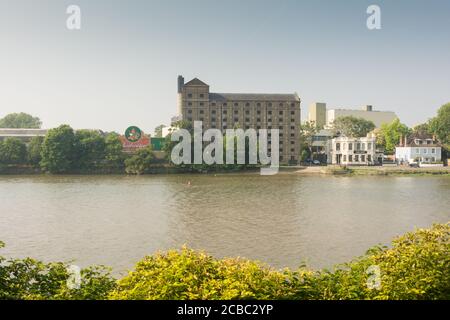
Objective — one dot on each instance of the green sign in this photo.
(133, 134)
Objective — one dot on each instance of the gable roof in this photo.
(196, 82)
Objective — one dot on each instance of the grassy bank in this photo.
(416, 266)
(384, 171)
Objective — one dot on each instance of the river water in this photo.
(282, 220)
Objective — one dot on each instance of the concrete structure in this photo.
(354, 151)
(367, 113)
(317, 113)
(23, 134)
(419, 149)
(244, 110)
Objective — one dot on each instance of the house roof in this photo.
(411, 141)
(195, 82)
(254, 97)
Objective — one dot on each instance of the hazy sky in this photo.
(120, 69)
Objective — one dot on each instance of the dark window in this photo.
(292, 104)
(293, 112)
(292, 142)
(189, 111)
(292, 134)
(247, 104)
(236, 111)
(292, 128)
(270, 104)
(225, 104)
(236, 104)
(189, 103)
(236, 119)
(281, 113)
(258, 104)
(281, 104)
(201, 103)
(224, 111)
(201, 111)
(258, 112)
(190, 95)
(258, 127)
(189, 119)
(258, 119)
(280, 119)
(247, 119)
(292, 120)
(213, 112)
(201, 118)
(280, 127)
(202, 95)
(269, 112)
(213, 104)
(292, 150)
(213, 119)
(247, 127)
(247, 112)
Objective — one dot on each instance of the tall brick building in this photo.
(243, 110)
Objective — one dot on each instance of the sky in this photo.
(121, 67)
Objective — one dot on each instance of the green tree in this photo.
(34, 150)
(140, 162)
(158, 130)
(59, 150)
(389, 134)
(20, 120)
(352, 127)
(422, 129)
(113, 150)
(90, 145)
(440, 125)
(307, 131)
(13, 151)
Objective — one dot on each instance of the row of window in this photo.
(358, 146)
(236, 104)
(281, 112)
(356, 158)
(425, 151)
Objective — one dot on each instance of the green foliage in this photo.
(140, 162)
(352, 127)
(20, 120)
(13, 151)
(440, 125)
(416, 266)
(59, 150)
(114, 155)
(389, 134)
(34, 150)
(29, 279)
(189, 274)
(90, 148)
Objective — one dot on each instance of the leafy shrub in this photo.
(189, 274)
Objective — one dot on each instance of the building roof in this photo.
(411, 141)
(253, 97)
(195, 82)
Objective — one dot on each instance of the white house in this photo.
(418, 149)
(354, 151)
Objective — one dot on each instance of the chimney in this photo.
(180, 83)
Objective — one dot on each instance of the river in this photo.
(282, 220)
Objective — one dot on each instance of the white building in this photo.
(354, 151)
(367, 113)
(418, 149)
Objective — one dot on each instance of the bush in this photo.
(415, 267)
(189, 274)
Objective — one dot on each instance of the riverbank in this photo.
(372, 171)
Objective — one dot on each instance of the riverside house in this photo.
(420, 149)
(354, 151)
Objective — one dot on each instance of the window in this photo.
(280, 119)
(344, 158)
(292, 142)
(247, 119)
(350, 146)
(270, 104)
(338, 146)
(213, 112)
(292, 128)
(281, 104)
(417, 150)
(292, 120)
(433, 150)
(190, 111)
(201, 111)
(247, 104)
(293, 112)
(292, 134)
(236, 111)
(213, 104)
(236, 104)
(258, 104)
(292, 104)
(369, 158)
(213, 119)
(358, 147)
(356, 158)
(280, 113)
(201, 103)
(363, 146)
(369, 146)
(350, 158)
(189, 118)
(269, 120)
(189, 95)
(363, 158)
(269, 112)
(201, 119)
(280, 127)
(258, 112)
(258, 119)
(424, 151)
(236, 119)
(292, 150)
(202, 95)
(189, 103)
(224, 112)
(247, 112)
